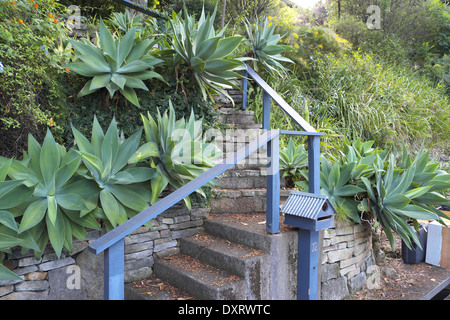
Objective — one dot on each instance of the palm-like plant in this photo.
(177, 151)
(206, 52)
(117, 64)
(264, 45)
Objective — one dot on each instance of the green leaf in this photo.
(110, 206)
(52, 208)
(7, 219)
(128, 198)
(135, 66)
(6, 274)
(14, 196)
(417, 192)
(64, 173)
(130, 95)
(71, 201)
(110, 145)
(158, 184)
(197, 64)
(126, 150)
(49, 159)
(397, 201)
(106, 40)
(119, 80)
(125, 46)
(348, 190)
(56, 233)
(33, 215)
(99, 81)
(207, 48)
(226, 46)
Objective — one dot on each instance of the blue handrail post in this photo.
(273, 186)
(114, 271)
(244, 89)
(266, 110)
(314, 164)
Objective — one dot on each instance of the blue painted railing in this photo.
(112, 243)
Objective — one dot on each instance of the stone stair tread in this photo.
(154, 289)
(198, 278)
(206, 242)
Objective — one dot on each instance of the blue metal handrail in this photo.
(113, 244)
(313, 136)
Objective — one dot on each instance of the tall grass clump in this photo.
(373, 101)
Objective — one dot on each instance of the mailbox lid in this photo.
(304, 205)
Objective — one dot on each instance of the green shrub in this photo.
(32, 91)
(373, 101)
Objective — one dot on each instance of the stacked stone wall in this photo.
(347, 260)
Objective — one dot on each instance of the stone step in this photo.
(246, 262)
(243, 179)
(232, 111)
(238, 200)
(153, 288)
(247, 230)
(199, 279)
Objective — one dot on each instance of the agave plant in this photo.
(264, 45)
(106, 159)
(116, 64)
(16, 192)
(206, 52)
(293, 163)
(393, 200)
(50, 208)
(337, 184)
(175, 148)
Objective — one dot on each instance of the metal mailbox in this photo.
(310, 213)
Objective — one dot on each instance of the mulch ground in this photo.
(404, 281)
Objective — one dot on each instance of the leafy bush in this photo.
(32, 91)
(372, 101)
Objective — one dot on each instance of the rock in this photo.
(389, 272)
(91, 267)
(357, 282)
(34, 276)
(335, 289)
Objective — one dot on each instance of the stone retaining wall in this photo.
(79, 274)
(347, 260)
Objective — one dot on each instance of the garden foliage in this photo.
(54, 194)
(58, 93)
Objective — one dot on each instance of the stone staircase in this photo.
(233, 258)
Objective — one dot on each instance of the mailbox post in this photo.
(310, 213)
